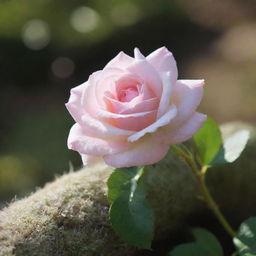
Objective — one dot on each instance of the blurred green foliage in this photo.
(35, 150)
(111, 14)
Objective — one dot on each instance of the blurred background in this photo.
(49, 46)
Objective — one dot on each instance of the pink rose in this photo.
(130, 112)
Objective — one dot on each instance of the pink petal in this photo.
(121, 61)
(163, 61)
(106, 83)
(83, 142)
(164, 120)
(166, 95)
(144, 152)
(143, 106)
(187, 130)
(134, 121)
(74, 104)
(146, 92)
(134, 106)
(98, 83)
(105, 114)
(186, 95)
(102, 128)
(137, 54)
(145, 71)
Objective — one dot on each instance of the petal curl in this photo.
(137, 54)
(106, 82)
(74, 104)
(187, 130)
(134, 121)
(166, 95)
(106, 114)
(145, 70)
(97, 84)
(102, 128)
(164, 120)
(186, 95)
(144, 152)
(134, 106)
(163, 61)
(121, 61)
(83, 142)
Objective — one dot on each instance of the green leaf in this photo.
(130, 213)
(208, 141)
(245, 240)
(205, 244)
(119, 179)
(232, 148)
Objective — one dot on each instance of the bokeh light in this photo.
(213, 14)
(84, 19)
(63, 67)
(233, 41)
(36, 34)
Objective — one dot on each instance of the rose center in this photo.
(127, 94)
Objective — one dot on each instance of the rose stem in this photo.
(200, 177)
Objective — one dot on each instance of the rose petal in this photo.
(186, 131)
(143, 106)
(163, 61)
(102, 128)
(105, 114)
(134, 121)
(146, 92)
(91, 97)
(106, 82)
(166, 95)
(97, 84)
(81, 141)
(134, 106)
(121, 61)
(144, 152)
(186, 95)
(143, 69)
(164, 120)
(137, 54)
(74, 104)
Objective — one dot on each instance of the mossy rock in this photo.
(67, 217)
(70, 215)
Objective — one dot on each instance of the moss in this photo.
(70, 215)
(67, 217)
(172, 191)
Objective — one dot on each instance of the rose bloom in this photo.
(131, 111)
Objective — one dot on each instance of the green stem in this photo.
(200, 176)
(212, 205)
